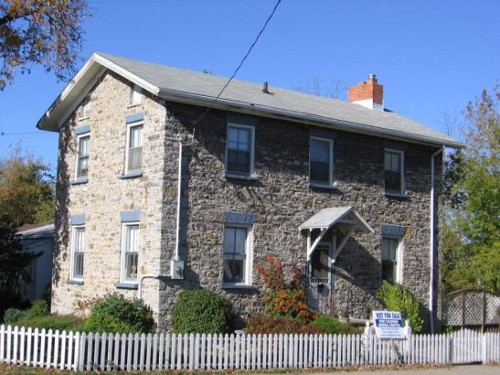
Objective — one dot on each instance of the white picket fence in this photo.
(106, 352)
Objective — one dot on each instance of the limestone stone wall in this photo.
(105, 195)
(281, 200)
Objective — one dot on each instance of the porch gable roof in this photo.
(328, 217)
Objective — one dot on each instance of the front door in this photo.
(320, 278)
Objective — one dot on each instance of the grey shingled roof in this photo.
(329, 112)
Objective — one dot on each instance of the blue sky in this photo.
(432, 56)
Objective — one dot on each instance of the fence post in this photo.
(450, 348)
(367, 340)
(408, 332)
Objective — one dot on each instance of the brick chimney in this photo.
(369, 94)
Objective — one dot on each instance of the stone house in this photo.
(163, 185)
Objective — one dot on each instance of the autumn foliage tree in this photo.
(42, 32)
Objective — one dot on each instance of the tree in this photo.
(316, 86)
(26, 189)
(472, 190)
(43, 32)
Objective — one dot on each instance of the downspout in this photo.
(179, 195)
(432, 249)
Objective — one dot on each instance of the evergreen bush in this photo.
(115, 314)
(202, 311)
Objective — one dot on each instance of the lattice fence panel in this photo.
(471, 308)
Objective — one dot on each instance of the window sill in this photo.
(75, 282)
(131, 174)
(80, 181)
(239, 286)
(395, 195)
(132, 286)
(313, 185)
(83, 118)
(235, 176)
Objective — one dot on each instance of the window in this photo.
(134, 147)
(236, 255)
(392, 259)
(82, 161)
(77, 253)
(135, 95)
(130, 247)
(394, 172)
(86, 107)
(320, 161)
(240, 150)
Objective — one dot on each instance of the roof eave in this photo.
(302, 117)
(79, 86)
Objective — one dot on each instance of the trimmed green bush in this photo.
(54, 322)
(12, 316)
(115, 314)
(330, 325)
(202, 311)
(38, 308)
(396, 298)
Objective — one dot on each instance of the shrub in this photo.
(38, 308)
(330, 325)
(12, 315)
(261, 323)
(54, 322)
(115, 314)
(395, 297)
(202, 311)
(282, 299)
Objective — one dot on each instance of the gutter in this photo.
(432, 244)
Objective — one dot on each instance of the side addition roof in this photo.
(201, 89)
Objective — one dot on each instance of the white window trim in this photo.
(73, 244)
(330, 172)
(136, 96)
(86, 106)
(401, 193)
(248, 257)
(252, 151)
(78, 137)
(123, 271)
(399, 258)
(129, 126)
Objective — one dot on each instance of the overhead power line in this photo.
(241, 62)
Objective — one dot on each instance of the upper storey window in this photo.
(134, 146)
(135, 95)
(82, 163)
(394, 172)
(240, 150)
(86, 107)
(321, 161)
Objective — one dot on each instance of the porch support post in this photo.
(310, 248)
(344, 241)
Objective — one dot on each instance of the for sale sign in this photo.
(388, 325)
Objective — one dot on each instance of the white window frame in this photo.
(248, 256)
(86, 107)
(78, 138)
(399, 257)
(402, 192)
(127, 148)
(123, 266)
(252, 150)
(74, 229)
(330, 171)
(135, 96)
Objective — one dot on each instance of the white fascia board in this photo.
(60, 109)
(301, 117)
